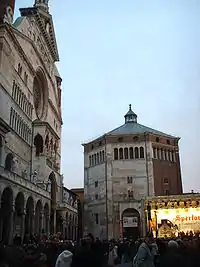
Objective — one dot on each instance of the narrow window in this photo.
(168, 141)
(121, 153)
(116, 154)
(96, 184)
(129, 180)
(90, 161)
(130, 194)
(166, 181)
(97, 218)
(172, 156)
(165, 152)
(136, 152)
(141, 152)
(126, 153)
(100, 157)
(131, 152)
(157, 139)
(95, 159)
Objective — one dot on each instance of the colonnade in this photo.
(20, 217)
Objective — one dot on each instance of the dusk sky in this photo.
(114, 53)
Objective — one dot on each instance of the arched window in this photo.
(172, 156)
(121, 153)
(38, 143)
(116, 154)
(141, 152)
(131, 153)
(165, 152)
(136, 152)
(100, 157)
(95, 159)
(9, 162)
(126, 153)
(90, 160)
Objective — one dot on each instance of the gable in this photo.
(44, 23)
(37, 55)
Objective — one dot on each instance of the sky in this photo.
(114, 53)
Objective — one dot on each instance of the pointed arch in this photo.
(131, 153)
(136, 152)
(9, 162)
(38, 143)
(116, 156)
(142, 152)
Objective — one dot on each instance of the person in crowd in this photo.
(144, 257)
(64, 259)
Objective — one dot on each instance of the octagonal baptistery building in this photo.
(31, 186)
(121, 168)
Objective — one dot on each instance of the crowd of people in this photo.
(91, 252)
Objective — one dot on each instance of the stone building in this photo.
(31, 186)
(80, 200)
(121, 168)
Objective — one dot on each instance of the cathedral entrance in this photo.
(131, 224)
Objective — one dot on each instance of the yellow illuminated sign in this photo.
(178, 220)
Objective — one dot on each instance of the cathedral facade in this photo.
(33, 199)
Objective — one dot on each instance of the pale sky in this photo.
(114, 53)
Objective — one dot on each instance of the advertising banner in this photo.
(130, 222)
(172, 221)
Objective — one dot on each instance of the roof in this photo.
(131, 126)
(136, 128)
(18, 22)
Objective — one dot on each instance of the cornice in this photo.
(44, 123)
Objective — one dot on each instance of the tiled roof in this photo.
(136, 128)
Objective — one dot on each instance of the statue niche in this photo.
(38, 143)
(47, 143)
